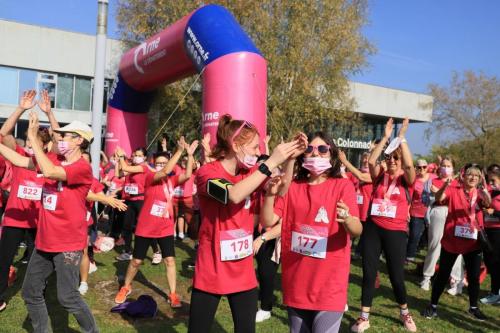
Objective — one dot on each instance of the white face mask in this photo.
(138, 160)
(159, 167)
(248, 161)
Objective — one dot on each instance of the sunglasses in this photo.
(246, 124)
(322, 149)
(388, 157)
(421, 167)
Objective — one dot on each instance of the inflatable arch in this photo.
(209, 39)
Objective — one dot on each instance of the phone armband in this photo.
(217, 188)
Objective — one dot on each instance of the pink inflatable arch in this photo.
(208, 39)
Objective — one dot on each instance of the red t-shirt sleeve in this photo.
(78, 173)
(205, 173)
(349, 197)
(96, 187)
(279, 205)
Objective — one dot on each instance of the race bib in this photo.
(383, 208)
(132, 189)
(310, 240)
(359, 199)
(235, 244)
(178, 192)
(29, 192)
(465, 232)
(159, 209)
(49, 200)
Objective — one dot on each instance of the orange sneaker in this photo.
(121, 297)
(12, 276)
(174, 300)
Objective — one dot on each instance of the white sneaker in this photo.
(124, 257)
(156, 258)
(490, 299)
(346, 307)
(180, 235)
(92, 267)
(425, 284)
(456, 288)
(262, 315)
(84, 287)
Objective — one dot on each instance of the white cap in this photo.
(79, 128)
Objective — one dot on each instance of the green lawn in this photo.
(151, 280)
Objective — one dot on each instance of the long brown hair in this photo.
(334, 171)
(225, 131)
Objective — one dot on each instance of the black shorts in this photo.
(142, 245)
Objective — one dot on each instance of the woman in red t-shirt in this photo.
(461, 235)
(156, 220)
(133, 194)
(319, 216)
(387, 227)
(224, 262)
(183, 200)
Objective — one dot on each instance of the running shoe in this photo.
(92, 267)
(3, 305)
(12, 276)
(84, 287)
(430, 312)
(174, 301)
(262, 315)
(425, 284)
(121, 297)
(490, 299)
(156, 258)
(124, 257)
(456, 288)
(408, 322)
(120, 241)
(180, 235)
(360, 325)
(476, 313)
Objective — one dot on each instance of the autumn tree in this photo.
(311, 48)
(468, 111)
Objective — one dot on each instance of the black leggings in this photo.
(11, 237)
(472, 267)
(204, 305)
(130, 222)
(492, 259)
(393, 243)
(266, 272)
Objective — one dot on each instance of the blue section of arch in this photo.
(124, 97)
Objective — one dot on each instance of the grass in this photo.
(151, 280)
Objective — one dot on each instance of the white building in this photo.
(63, 63)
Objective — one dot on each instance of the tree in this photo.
(311, 48)
(468, 111)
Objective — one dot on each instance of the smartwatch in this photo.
(265, 170)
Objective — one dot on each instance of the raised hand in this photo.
(27, 100)
(282, 152)
(273, 186)
(205, 142)
(33, 125)
(302, 139)
(119, 152)
(342, 156)
(404, 128)
(181, 143)
(44, 101)
(389, 127)
(190, 149)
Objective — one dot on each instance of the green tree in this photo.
(466, 117)
(311, 47)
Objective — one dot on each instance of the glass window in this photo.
(47, 82)
(64, 98)
(82, 94)
(9, 84)
(27, 80)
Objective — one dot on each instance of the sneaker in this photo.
(262, 315)
(346, 307)
(174, 301)
(120, 241)
(360, 325)
(3, 305)
(124, 257)
(84, 287)
(156, 258)
(180, 235)
(425, 284)
(408, 322)
(430, 312)
(410, 260)
(22, 245)
(121, 297)
(24, 260)
(476, 313)
(92, 267)
(490, 299)
(456, 288)
(12, 276)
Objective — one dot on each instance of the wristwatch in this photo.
(263, 238)
(263, 168)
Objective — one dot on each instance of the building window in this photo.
(9, 82)
(46, 81)
(82, 94)
(65, 87)
(27, 80)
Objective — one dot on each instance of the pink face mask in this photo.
(248, 161)
(63, 148)
(29, 151)
(365, 170)
(138, 159)
(446, 171)
(317, 165)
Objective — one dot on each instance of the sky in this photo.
(418, 41)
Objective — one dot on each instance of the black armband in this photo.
(217, 188)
